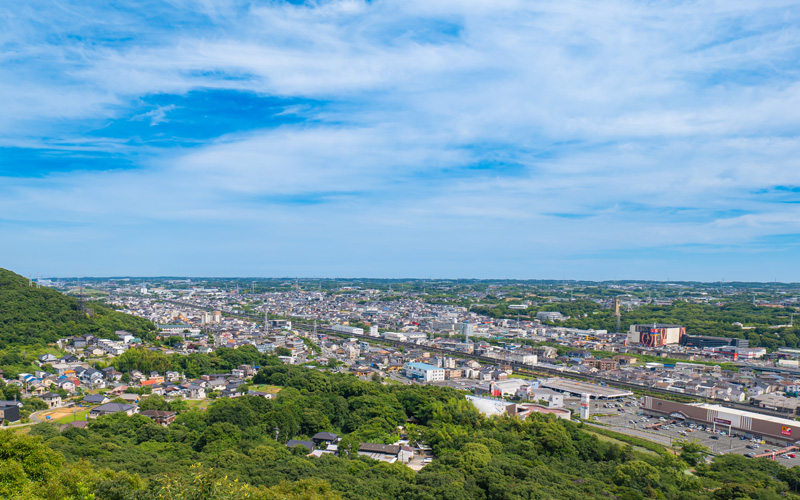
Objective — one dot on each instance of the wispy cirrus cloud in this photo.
(469, 128)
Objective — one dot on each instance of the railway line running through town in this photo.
(520, 368)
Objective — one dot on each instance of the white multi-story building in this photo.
(416, 336)
(401, 337)
(352, 330)
(424, 371)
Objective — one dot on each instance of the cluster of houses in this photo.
(90, 346)
(68, 373)
(323, 443)
(364, 360)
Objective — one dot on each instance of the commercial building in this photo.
(656, 335)
(501, 387)
(552, 398)
(703, 341)
(424, 372)
(736, 353)
(281, 324)
(416, 336)
(776, 429)
(352, 330)
(174, 329)
(550, 316)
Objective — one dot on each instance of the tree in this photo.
(348, 446)
(636, 474)
(692, 451)
(155, 402)
(474, 456)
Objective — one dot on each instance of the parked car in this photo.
(715, 437)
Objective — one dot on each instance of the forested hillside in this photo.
(30, 315)
(129, 458)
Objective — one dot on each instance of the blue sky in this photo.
(508, 139)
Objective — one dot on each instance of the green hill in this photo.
(30, 315)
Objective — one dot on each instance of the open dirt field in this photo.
(57, 413)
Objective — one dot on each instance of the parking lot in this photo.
(624, 416)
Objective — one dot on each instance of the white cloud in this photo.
(658, 120)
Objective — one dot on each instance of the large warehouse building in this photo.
(775, 429)
(656, 335)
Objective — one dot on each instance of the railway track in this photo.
(530, 370)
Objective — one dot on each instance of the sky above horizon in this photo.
(401, 138)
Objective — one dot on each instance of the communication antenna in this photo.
(82, 299)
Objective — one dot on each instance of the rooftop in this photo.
(750, 414)
(575, 387)
(423, 366)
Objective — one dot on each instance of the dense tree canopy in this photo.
(31, 315)
(476, 458)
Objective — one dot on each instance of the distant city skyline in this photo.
(386, 138)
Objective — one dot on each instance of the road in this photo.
(530, 370)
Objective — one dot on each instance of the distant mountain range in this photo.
(38, 315)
